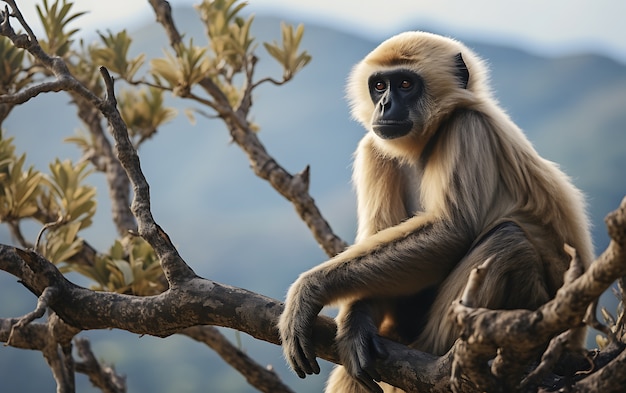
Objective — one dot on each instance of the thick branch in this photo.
(203, 302)
(519, 335)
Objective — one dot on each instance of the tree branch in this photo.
(293, 188)
(204, 302)
(175, 269)
(264, 379)
(101, 376)
(509, 338)
(517, 336)
(107, 162)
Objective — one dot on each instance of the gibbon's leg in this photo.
(515, 279)
(357, 324)
(358, 344)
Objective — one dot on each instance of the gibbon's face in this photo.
(395, 94)
(403, 88)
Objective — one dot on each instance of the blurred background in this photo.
(558, 68)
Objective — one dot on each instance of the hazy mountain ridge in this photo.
(229, 222)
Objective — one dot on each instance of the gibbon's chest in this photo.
(411, 180)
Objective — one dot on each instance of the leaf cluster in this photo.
(66, 196)
(144, 111)
(61, 200)
(12, 74)
(230, 52)
(183, 70)
(19, 186)
(131, 269)
(67, 205)
(229, 34)
(288, 54)
(55, 19)
(114, 54)
(72, 202)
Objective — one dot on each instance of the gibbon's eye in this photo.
(406, 84)
(380, 86)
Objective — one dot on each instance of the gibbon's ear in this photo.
(461, 70)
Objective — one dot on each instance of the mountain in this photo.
(233, 228)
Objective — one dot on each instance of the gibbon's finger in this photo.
(298, 360)
(305, 360)
(294, 366)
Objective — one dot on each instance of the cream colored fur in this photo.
(426, 199)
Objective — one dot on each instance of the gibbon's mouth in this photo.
(391, 129)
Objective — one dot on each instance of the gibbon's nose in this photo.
(390, 110)
(384, 103)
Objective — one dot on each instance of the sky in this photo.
(548, 27)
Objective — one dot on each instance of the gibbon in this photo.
(444, 180)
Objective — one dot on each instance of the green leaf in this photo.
(114, 55)
(144, 112)
(12, 74)
(62, 243)
(19, 187)
(126, 270)
(182, 72)
(229, 34)
(66, 194)
(288, 54)
(55, 19)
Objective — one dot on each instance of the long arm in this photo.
(396, 261)
(412, 255)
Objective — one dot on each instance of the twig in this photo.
(31, 92)
(269, 80)
(101, 376)
(17, 14)
(58, 354)
(591, 320)
(43, 301)
(264, 379)
(548, 360)
(46, 227)
(175, 269)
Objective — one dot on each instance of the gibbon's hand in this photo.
(296, 330)
(360, 346)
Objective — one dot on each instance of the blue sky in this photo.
(543, 26)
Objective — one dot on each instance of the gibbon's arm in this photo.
(412, 255)
(396, 261)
